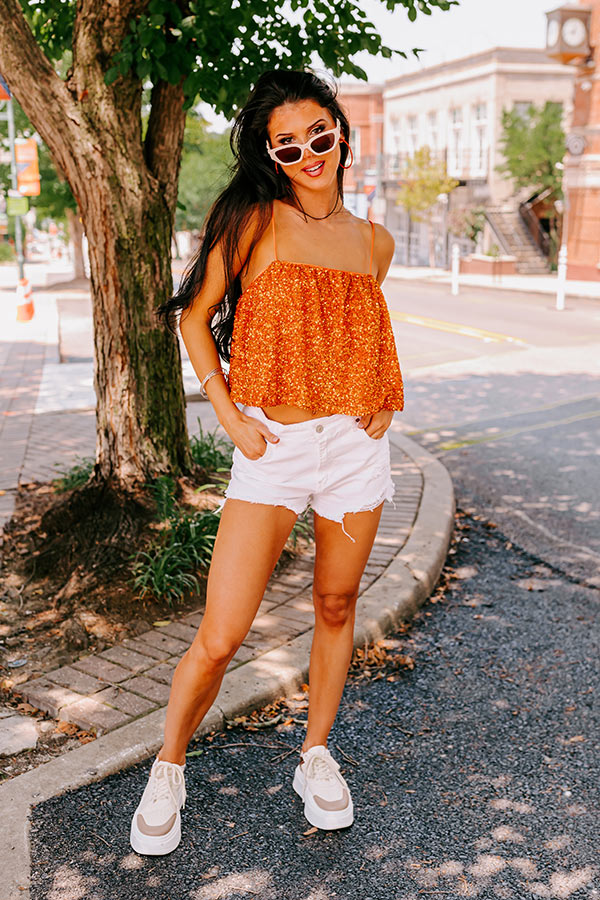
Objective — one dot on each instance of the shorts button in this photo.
(319, 428)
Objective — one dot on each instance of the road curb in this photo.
(395, 596)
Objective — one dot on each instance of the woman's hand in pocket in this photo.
(250, 436)
(376, 424)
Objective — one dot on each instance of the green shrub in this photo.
(163, 490)
(167, 569)
(211, 451)
(76, 476)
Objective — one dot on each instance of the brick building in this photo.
(363, 104)
(582, 162)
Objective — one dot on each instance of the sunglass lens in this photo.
(322, 143)
(288, 154)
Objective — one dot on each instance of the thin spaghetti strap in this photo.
(372, 245)
(273, 224)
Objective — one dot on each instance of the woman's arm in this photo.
(194, 326)
(383, 251)
(197, 336)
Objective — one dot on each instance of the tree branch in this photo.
(164, 138)
(35, 84)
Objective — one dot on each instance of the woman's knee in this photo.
(214, 650)
(335, 607)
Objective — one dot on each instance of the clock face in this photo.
(553, 33)
(574, 32)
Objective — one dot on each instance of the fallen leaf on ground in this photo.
(66, 727)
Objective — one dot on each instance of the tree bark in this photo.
(126, 191)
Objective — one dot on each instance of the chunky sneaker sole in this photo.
(320, 818)
(155, 845)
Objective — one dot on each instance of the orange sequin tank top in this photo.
(316, 338)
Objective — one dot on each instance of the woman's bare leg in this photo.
(339, 565)
(249, 542)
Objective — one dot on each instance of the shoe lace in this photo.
(167, 779)
(320, 768)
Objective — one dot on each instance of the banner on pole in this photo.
(4, 90)
(28, 173)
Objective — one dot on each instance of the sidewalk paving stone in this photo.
(127, 658)
(101, 668)
(169, 645)
(163, 672)
(131, 704)
(152, 690)
(93, 716)
(144, 649)
(45, 695)
(76, 681)
(180, 630)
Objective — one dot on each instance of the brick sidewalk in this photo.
(103, 691)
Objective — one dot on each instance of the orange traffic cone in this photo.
(25, 308)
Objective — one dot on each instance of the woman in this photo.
(294, 279)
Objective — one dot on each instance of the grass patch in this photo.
(212, 451)
(76, 476)
(168, 568)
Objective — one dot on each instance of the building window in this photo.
(521, 107)
(396, 135)
(479, 158)
(433, 133)
(355, 143)
(455, 147)
(413, 134)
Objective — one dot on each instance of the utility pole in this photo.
(9, 117)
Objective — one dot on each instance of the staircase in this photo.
(514, 238)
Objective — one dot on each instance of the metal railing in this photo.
(490, 215)
(532, 223)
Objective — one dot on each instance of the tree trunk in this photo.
(76, 234)
(126, 190)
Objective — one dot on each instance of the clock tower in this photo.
(573, 37)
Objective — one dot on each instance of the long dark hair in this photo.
(254, 184)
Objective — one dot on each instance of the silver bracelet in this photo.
(206, 377)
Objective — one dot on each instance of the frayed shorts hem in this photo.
(388, 494)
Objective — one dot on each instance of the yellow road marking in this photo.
(455, 328)
(455, 445)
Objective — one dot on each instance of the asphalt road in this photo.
(476, 774)
(516, 424)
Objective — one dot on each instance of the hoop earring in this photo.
(343, 141)
(277, 167)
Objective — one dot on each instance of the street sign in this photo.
(17, 206)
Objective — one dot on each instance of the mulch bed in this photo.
(65, 575)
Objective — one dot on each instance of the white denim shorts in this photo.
(327, 463)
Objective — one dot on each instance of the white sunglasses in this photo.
(288, 154)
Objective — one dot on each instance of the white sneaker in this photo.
(327, 800)
(156, 823)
